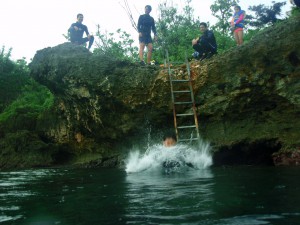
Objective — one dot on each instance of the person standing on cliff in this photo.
(145, 25)
(206, 45)
(237, 24)
(76, 33)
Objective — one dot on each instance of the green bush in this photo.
(20, 96)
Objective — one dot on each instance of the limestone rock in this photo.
(248, 98)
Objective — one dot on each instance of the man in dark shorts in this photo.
(145, 25)
(76, 33)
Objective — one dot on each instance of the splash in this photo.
(178, 158)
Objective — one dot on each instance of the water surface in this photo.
(224, 195)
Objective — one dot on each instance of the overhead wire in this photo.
(129, 14)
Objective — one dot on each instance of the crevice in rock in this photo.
(293, 58)
(62, 156)
(247, 153)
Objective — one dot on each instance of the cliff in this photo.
(248, 102)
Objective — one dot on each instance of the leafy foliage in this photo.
(265, 15)
(176, 31)
(32, 100)
(221, 9)
(224, 42)
(295, 11)
(121, 48)
(19, 93)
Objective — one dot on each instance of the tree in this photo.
(265, 15)
(221, 9)
(176, 31)
(121, 48)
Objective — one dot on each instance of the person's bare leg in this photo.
(149, 54)
(141, 51)
(240, 36)
(236, 37)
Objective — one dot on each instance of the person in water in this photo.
(205, 46)
(237, 24)
(76, 32)
(169, 140)
(145, 25)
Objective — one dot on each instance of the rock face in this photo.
(102, 105)
(248, 101)
(249, 97)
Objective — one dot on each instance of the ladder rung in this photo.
(181, 91)
(176, 62)
(185, 114)
(182, 103)
(185, 127)
(180, 80)
(189, 139)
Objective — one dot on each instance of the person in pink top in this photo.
(237, 24)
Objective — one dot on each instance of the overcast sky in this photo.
(30, 25)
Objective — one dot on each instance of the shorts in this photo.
(238, 29)
(146, 39)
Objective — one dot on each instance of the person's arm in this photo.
(139, 25)
(153, 27)
(232, 21)
(195, 41)
(86, 31)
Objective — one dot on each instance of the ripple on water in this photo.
(9, 218)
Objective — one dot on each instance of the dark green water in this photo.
(230, 196)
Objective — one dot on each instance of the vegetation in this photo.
(176, 28)
(120, 47)
(20, 96)
(265, 16)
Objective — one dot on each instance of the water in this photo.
(244, 195)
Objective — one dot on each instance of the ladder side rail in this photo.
(192, 95)
(172, 94)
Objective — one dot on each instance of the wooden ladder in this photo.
(183, 102)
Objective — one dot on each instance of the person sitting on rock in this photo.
(206, 45)
(76, 33)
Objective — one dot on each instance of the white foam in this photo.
(156, 155)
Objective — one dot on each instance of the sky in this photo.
(31, 25)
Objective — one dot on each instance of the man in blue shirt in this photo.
(76, 33)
